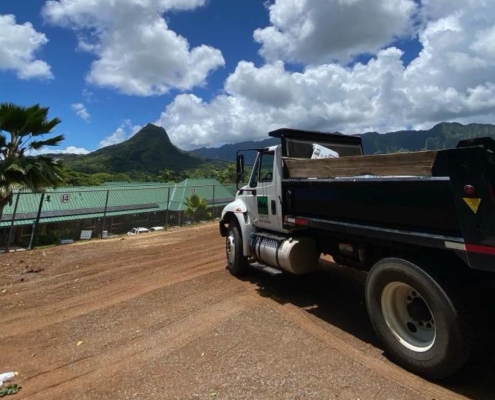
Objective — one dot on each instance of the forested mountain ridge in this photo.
(228, 151)
(150, 155)
(442, 136)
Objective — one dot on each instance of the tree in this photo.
(74, 178)
(197, 208)
(167, 175)
(22, 130)
(228, 175)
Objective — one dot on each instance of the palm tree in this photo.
(197, 208)
(21, 131)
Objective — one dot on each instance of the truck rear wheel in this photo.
(420, 326)
(237, 263)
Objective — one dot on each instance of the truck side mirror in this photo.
(240, 168)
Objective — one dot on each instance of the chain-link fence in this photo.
(68, 214)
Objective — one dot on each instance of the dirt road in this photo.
(158, 316)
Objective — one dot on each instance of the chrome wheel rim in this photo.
(230, 249)
(408, 317)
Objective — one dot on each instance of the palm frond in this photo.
(54, 141)
(12, 118)
(19, 125)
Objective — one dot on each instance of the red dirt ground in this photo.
(159, 316)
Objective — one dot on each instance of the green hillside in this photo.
(149, 150)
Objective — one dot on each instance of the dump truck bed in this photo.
(441, 199)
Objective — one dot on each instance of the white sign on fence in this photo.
(64, 198)
(85, 235)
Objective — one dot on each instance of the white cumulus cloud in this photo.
(81, 111)
(137, 53)
(122, 133)
(67, 150)
(314, 31)
(73, 150)
(451, 79)
(18, 46)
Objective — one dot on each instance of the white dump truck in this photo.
(421, 224)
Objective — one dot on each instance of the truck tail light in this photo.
(296, 221)
(469, 190)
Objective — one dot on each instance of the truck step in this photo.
(273, 236)
(266, 269)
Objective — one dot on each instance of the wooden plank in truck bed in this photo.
(396, 164)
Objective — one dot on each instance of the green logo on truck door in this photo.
(263, 205)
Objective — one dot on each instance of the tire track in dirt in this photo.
(120, 325)
(121, 283)
(315, 328)
(109, 252)
(101, 298)
(116, 266)
(121, 360)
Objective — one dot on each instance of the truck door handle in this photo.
(274, 207)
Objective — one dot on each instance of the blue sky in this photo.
(223, 71)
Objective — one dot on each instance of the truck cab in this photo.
(262, 195)
(257, 214)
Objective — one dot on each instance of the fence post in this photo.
(214, 206)
(104, 214)
(36, 222)
(168, 206)
(12, 222)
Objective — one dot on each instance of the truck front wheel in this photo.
(420, 326)
(237, 263)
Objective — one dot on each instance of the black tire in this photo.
(237, 263)
(421, 327)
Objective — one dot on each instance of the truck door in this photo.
(264, 202)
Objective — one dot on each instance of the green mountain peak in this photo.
(149, 150)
